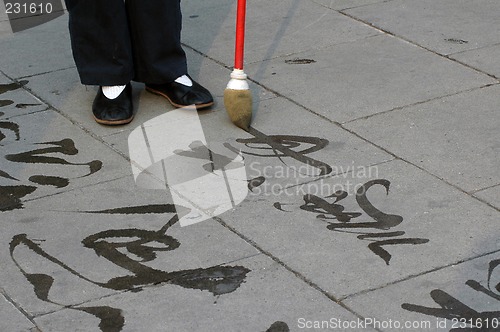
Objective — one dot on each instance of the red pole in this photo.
(240, 34)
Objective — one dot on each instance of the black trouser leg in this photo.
(114, 43)
(155, 30)
(100, 41)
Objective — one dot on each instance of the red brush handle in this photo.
(240, 34)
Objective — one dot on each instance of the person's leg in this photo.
(102, 51)
(159, 60)
(155, 30)
(100, 41)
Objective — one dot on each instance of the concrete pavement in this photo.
(365, 196)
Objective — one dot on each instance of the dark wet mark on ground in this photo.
(6, 102)
(13, 127)
(111, 319)
(283, 147)
(140, 209)
(46, 180)
(7, 176)
(461, 315)
(255, 182)
(26, 105)
(10, 196)
(12, 86)
(278, 327)
(456, 41)
(298, 61)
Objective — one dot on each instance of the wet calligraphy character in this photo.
(331, 211)
(465, 317)
(215, 161)
(10, 196)
(131, 249)
(10, 87)
(284, 146)
(327, 210)
(8, 126)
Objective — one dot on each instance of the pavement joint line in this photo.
(73, 306)
(320, 48)
(413, 276)
(288, 268)
(220, 63)
(485, 188)
(421, 102)
(353, 41)
(46, 72)
(242, 258)
(70, 190)
(423, 169)
(449, 57)
(47, 109)
(474, 49)
(358, 6)
(444, 56)
(18, 307)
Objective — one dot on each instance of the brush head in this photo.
(238, 105)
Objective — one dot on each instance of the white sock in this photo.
(184, 80)
(111, 92)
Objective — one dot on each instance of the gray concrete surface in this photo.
(371, 173)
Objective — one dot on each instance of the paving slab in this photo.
(26, 53)
(353, 80)
(482, 59)
(444, 26)
(346, 4)
(440, 301)
(273, 29)
(45, 154)
(11, 319)
(456, 138)
(490, 195)
(269, 296)
(324, 231)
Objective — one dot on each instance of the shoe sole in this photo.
(159, 93)
(113, 123)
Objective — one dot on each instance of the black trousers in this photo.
(116, 41)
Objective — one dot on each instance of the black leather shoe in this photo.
(116, 111)
(181, 95)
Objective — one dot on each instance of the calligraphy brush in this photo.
(237, 96)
